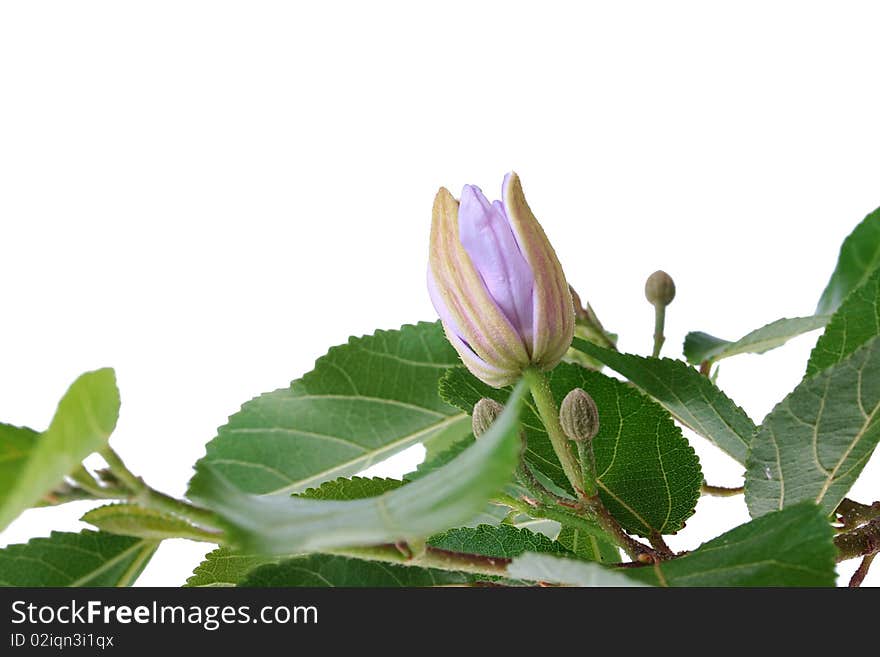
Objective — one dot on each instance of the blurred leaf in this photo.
(85, 418)
(133, 520)
(448, 496)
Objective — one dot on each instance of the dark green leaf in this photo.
(329, 570)
(85, 559)
(649, 476)
(222, 567)
(859, 257)
(814, 444)
(855, 322)
(792, 547)
(587, 546)
(363, 402)
(447, 497)
(501, 541)
(700, 347)
(691, 397)
(85, 418)
(133, 520)
(355, 488)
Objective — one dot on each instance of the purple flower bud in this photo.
(497, 285)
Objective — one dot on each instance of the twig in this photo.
(721, 491)
(862, 571)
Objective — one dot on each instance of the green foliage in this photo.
(690, 397)
(85, 418)
(792, 547)
(355, 488)
(330, 570)
(85, 559)
(648, 475)
(588, 546)
(502, 541)
(569, 572)
(453, 494)
(363, 402)
(856, 321)
(859, 257)
(223, 567)
(134, 520)
(816, 441)
(700, 347)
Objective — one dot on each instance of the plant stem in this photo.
(859, 542)
(430, 557)
(659, 323)
(852, 514)
(588, 466)
(721, 491)
(142, 494)
(549, 412)
(862, 571)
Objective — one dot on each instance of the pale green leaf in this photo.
(569, 572)
(648, 474)
(448, 496)
(793, 547)
(16, 444)
(859, 257)
(85, 559)
(814, 444)
(363, 402)
(133, 520)
(223, 567)
(690, 397)
(85, 418)
(700, 347)
(328, 570)
(856, 321)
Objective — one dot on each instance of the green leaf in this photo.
(859, 257)
(500, 541)
(223, 567)
(793, 547)
(133, 520)
(816, 441)
(587, 546)
(700, 347)
(447, 497)
(329, 570)
(570, 572)
(355, 488)
(363, 402)
(85, 418)
(690, 397)
(85, 559)
(856, 321)
(16, 444)
(649, 477)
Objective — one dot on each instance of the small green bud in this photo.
(486, 411)
(579, 416)
(660, 288)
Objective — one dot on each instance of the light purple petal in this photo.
(490, 243)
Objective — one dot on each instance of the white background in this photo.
(206, 196)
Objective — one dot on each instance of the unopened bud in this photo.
(660, 288)
(486, 411)
(579, 416)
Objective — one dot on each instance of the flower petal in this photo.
(490, 243)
